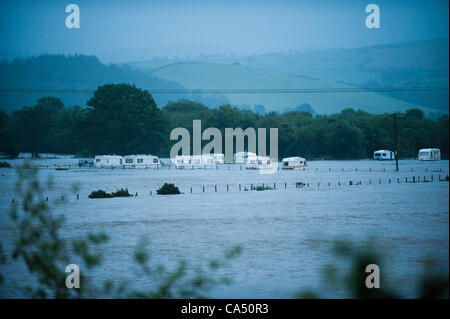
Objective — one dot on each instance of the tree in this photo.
(6, 141)
(122, 120)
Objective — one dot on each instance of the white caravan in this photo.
(141, 161)
(257, 162)
(182, 161)
(241, 157)
(383, 155)
(294, 163)
(208, 160)
(108, 161)
(219, 158)
(429, 154)
(194, 161)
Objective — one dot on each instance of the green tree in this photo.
(122, 120)
(6, 140)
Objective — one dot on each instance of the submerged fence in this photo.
(230, 167)
(261, 186)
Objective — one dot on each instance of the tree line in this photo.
(123, 119)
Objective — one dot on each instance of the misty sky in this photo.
(127, 30)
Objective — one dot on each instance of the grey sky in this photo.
(123, 30)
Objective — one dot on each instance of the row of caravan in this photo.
(128, 161)
(251, 161)
(425, 154)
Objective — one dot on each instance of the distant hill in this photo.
(235, 76)
(76, 72)
(419, 63)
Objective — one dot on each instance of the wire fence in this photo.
(273, 186)
(229, 167)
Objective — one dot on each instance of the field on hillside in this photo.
(232, 76)
(407, 64)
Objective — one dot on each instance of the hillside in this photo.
(407, 64)
(226, 76)
(75, 72)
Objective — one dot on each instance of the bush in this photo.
(99, 194)
(263, 188)
(168, 189)
(4, 164)
(123, 192)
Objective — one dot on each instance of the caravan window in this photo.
(384, 154)
(140, 160)
(155, 160)
(424, 153)
(129, 160)
(97, 160)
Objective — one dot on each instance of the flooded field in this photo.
(286, 233)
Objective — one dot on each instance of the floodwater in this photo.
(286, 233)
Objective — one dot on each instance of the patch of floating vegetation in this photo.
(123, 192)
(168, 189)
